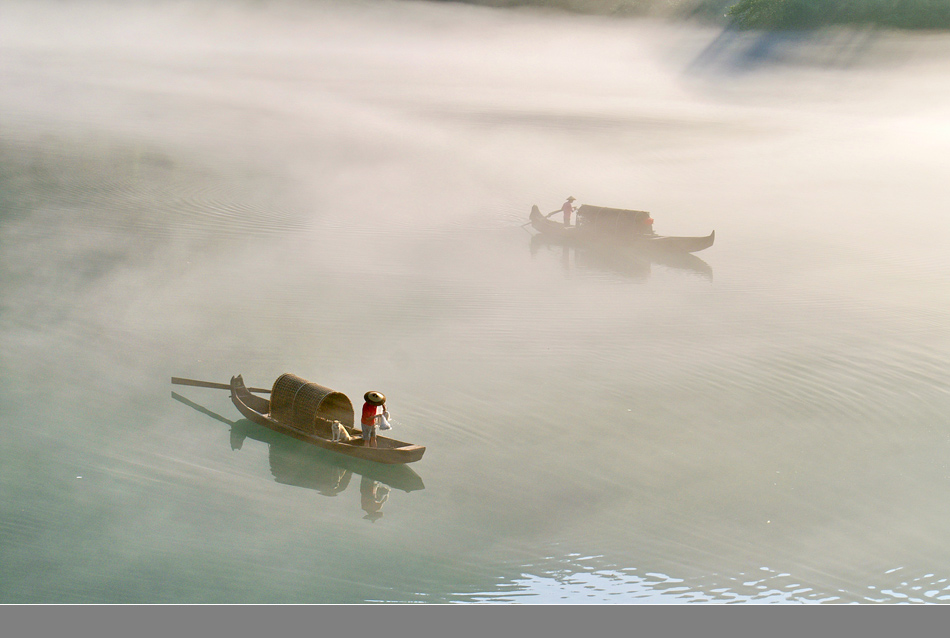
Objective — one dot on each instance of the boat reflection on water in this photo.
(634, 262)
(297, 463)
(294, 462)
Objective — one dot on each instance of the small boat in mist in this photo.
(294, 462)
(306, 411)
(617, 226)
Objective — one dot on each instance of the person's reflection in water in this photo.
(372, 496)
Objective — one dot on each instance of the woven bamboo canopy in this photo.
(309, 406)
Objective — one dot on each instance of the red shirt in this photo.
(370, 410)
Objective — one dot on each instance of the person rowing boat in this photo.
(567, 208)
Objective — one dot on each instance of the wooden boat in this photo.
(617, 225)
(294, 462)
(305, 411)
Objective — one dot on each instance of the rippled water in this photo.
(337, 190)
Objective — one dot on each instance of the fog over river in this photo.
(338, 190)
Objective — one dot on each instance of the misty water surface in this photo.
(337, 190)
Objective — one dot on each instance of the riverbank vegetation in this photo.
(765, 14)
(810, 14)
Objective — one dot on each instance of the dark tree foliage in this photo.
(810, 14)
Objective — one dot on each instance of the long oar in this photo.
(209, 384)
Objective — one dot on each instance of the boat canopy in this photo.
(309, 406)
(612, 220)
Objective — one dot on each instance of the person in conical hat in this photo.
(374, 405)
(567, 208)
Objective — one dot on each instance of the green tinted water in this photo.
(338, 192)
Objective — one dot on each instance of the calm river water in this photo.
(337, 190)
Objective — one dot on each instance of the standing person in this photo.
(373, 407)
(567, 208)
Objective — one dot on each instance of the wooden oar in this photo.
(209, 384)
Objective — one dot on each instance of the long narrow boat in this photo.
(294, 462)
(616, 225)
(305, 411)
